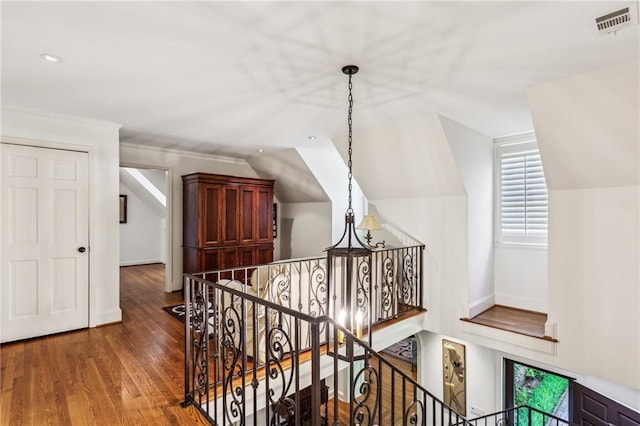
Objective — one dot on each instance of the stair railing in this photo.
(244, 357)
(230, 381)
(523, 415)
(379, 393)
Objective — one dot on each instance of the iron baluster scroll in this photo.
(233, 343)
(280, 347)
(388, 277)
(406, 289)
(365, 392)
(319, 288)
(363, 280)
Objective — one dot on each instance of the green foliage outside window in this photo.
(540, 390)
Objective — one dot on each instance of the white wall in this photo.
(100, 140)
(157, 177)
(594, 291)
(520, 277)
(331, 171)
(178, 164)
(406, 159)
(304, 229)
(587, 129)
(473, 153)
(482, 373)
(441, 223)
(141, 237)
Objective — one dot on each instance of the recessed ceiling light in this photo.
(311, 137)
(260, 150)
(51, 58)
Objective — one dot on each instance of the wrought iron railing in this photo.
(243, 354)
(378, 392)
(519, 416)
(224, 383)
(253, 335)
(388, 283)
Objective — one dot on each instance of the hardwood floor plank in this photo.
(130, 373)
(511, 319)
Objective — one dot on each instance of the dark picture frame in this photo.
(123, 208)
(275, 220)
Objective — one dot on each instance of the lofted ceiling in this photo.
(231, 77)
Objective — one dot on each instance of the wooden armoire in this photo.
(227, 221)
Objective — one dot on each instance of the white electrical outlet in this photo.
(477, 411)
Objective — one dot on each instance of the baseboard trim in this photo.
(108, 317)
(478, 306)
(108, 324)
(141, 262)
(526, 303)
(177, 285)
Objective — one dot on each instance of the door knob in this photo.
(82, 249)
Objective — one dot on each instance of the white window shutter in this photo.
(522, 191)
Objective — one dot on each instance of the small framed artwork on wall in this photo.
(453, 376)
(123, 208)
(275, 220)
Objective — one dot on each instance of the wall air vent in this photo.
(615, 21)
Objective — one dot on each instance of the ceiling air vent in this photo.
(615, 21)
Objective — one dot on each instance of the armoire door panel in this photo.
(211, 259)
(231, 212)
(247, 222)
(229, 258)
(264, 254)
(210, 219)
(247, 256)
(264, 215)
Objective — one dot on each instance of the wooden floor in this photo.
(123, 374)
(515, 320)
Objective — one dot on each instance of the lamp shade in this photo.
(369, 223)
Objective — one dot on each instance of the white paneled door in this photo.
(44, 259)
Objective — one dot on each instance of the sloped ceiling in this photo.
(294, 181)
(230, 77)
(587, 128)
(407, 159)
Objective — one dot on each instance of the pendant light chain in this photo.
(349, 122)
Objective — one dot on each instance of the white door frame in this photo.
(168, 274)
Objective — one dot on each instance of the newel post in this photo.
(315, 374)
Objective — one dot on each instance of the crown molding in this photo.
(219, 158)
(59, 116)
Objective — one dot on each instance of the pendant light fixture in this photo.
(349, 260)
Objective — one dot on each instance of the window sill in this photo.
(534, 246)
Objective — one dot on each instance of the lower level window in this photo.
(536, 388)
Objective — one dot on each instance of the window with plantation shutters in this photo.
(522, 201)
